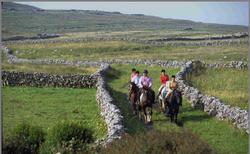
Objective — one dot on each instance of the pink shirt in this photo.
(145, 81)
(132, 75)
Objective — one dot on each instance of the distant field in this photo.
(220, 135)
(53, 69)
(95, 50)
(45, 107)
(229, 85)
(25, 20)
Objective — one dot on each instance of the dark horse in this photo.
(173, 102)
(145, 105)
(133, 96)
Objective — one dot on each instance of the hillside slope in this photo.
(27, 20)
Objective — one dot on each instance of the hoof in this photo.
(149, 123)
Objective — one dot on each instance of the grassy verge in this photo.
(93, 50)
(220, 135)
(229, 85)
(54, 69)
(46, 106)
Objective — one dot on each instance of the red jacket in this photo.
(163, 79)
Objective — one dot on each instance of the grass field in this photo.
(26, 20)
(96, 50)
(45, 107)
(229, 85)
(53, 69)
(220, 135)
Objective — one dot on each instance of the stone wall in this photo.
(212, 105)
(163, 63)
(109, 111)
(39, 36)
(47, 80)
(234, 39)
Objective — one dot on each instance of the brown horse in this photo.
(133, 96)
(173, 102)
(145, 105)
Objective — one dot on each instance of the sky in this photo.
(233, 13)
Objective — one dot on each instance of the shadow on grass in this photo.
(191, 114)
(131, 122)
(113, 74)
(194, 118)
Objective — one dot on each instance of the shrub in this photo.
(68, 137)
(24, 139)
(158, 142)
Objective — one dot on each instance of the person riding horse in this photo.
(173, 99)
(146, 82)
(163, 79)
(171, 86)
(133, 73)
(136, 78)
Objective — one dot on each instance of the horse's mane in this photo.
(134, 87)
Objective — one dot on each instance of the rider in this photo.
(163, 79)
(171, 86)
(146, 81)
(136, 78)
(132, 74)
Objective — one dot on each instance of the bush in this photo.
(24, 139)
(68, 137)
(158, 142)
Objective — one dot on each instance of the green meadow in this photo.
(96, 50)
(229, 85)
(45, 107)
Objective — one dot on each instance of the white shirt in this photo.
(167, 85)
(136, 80)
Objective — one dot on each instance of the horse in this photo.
(173, 102)
(162, 102)
(133, 96)
(145, 105)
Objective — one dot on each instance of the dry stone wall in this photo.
(232, 39)
(212, 105)
(47, 80)
(109, 111)
(163, 63)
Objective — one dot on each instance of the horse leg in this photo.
(175, 120)
(150, 114)
(171, 114)
(172, 117)
(176, 115)
(140, 112)
(163, 106)
(134, 107)
(145, 115)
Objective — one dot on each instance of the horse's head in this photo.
(177, 96)
(144, 90)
